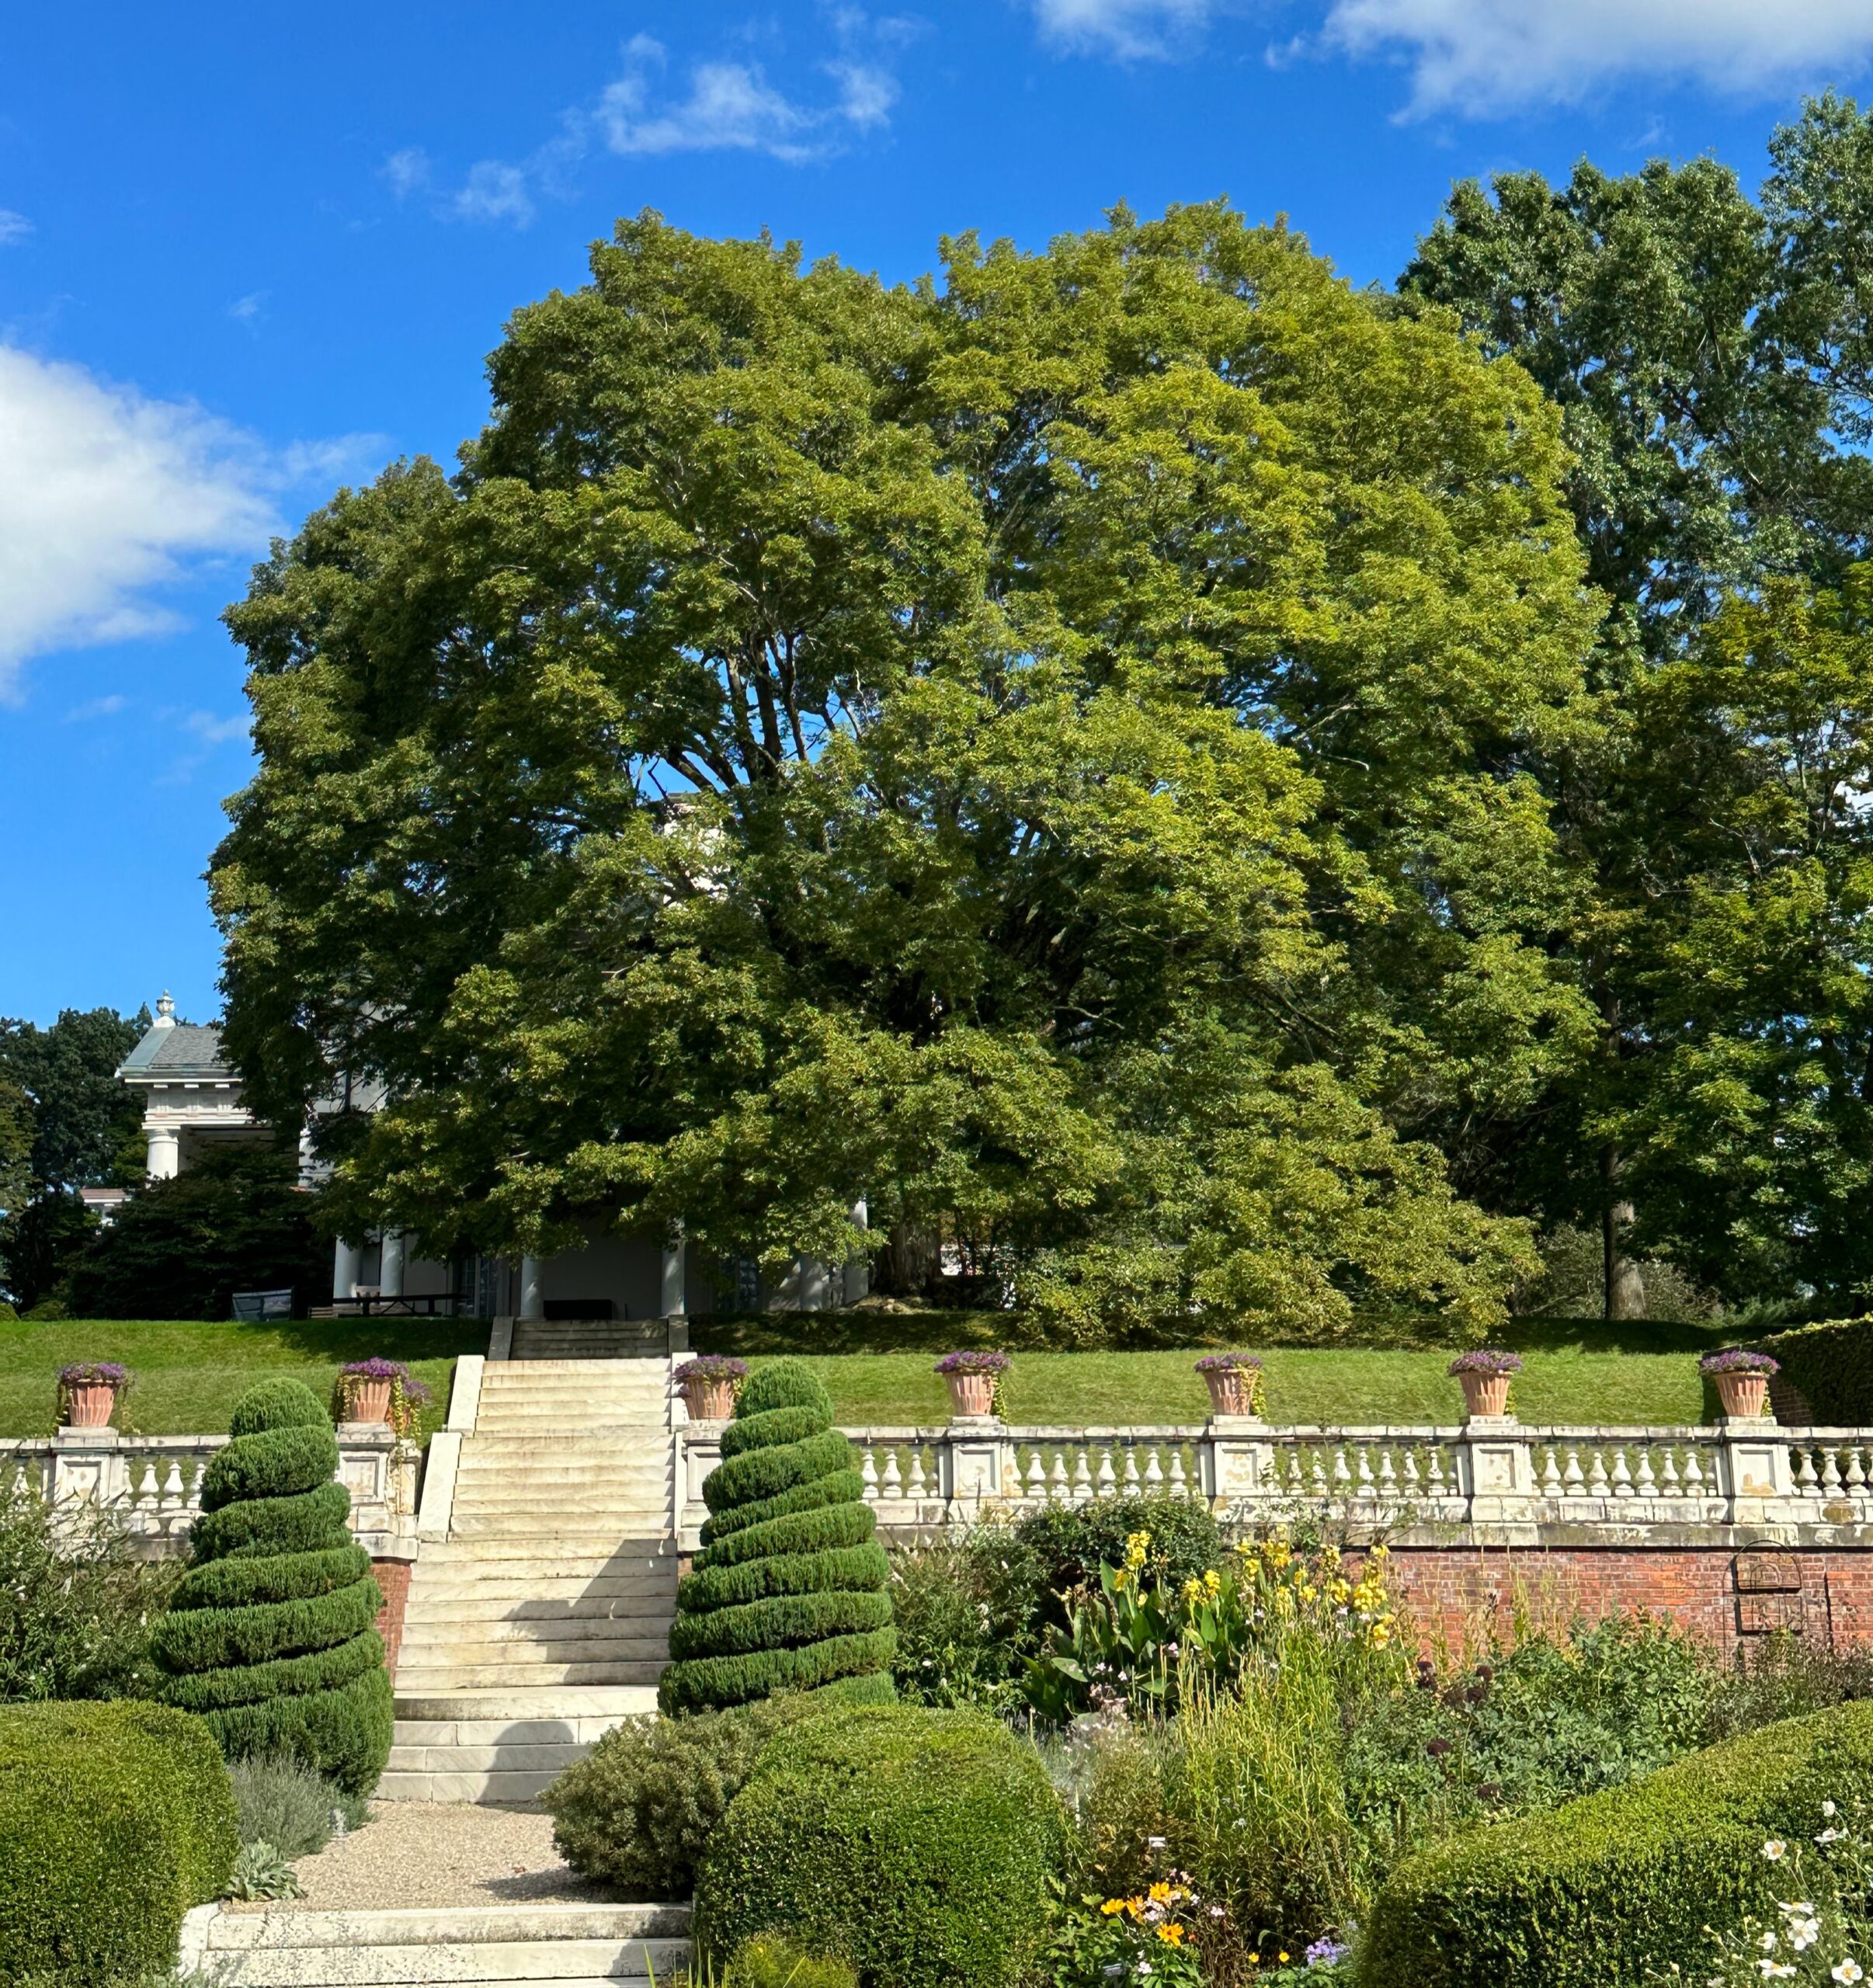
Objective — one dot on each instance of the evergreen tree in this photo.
(788, 1593)
(272, 1636)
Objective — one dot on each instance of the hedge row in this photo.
(796, 1572)
(209, 1639)
(790, 1590)
(115, 1818)
(803, 1513)
(241, 1684)
(922, 1846)
(1621, 1886)
(307, 1523)
(1832, 1364)
(229, 1583)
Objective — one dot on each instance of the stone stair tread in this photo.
(504, 1756)
(388, 1966)
(423, 1679)
(569, 1701)
(455, 1924)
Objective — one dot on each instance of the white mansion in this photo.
(192, 1101)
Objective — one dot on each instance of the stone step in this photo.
(567, 1554)
(483, 1473)
(423, 1679)
(422, 1784)
(455, 1925)
(505, 1756)
(548, 1528)
(519, 1598)
(291, 1950)
(505, 1642)
(576, 1704)
(482, 1612)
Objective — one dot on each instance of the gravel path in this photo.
(437, 1853)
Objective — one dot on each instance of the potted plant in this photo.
(378, 1390)
(1234, 1382)
(88, 1393)
(1742, 1380)
(972, 1379)
(1485, 1375)
(710, 1383)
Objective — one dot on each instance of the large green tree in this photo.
(65, 1123)
(1708, 353)
(1052, 751)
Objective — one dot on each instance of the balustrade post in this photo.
(1758, 1472)
(1496, 1463)
(1243, 1469)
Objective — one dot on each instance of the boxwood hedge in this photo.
(923, 1847)
(115, 1818)
(1619, 1886)
(789, 1591)
(271, 1636)
(1832, 1364)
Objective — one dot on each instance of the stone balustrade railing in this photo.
(1492, 1481)
(152, 1485)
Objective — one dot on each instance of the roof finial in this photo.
(165, 1011)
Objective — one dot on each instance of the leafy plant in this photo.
(1154, 1935)
(965, 1612)
(285, 1803)
(262, 1871)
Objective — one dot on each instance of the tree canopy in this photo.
(1051, 753)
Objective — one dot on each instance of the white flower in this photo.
(1850, 1969)
(1768, 1942)
(1803, 1932)
(1828, 1809)
(1775, 1850)
(1774, 1970)
(1830, 1836)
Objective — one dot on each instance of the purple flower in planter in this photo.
(377, 1369)
(1228, 1362)
(94, 1374)
(712, 1367)
(1739, 1360)
(1486, 1360)
(974, 1363)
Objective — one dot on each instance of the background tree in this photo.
(65, 1123)
(1709, 355)
(235, 1220)
(1053, 753)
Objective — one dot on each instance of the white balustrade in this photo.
(152, 1485)
(1498, 1480)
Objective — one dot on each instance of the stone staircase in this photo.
(544, 1617)
(576, 1946)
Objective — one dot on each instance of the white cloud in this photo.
(406, 171)
(496, 191)
(13, 227)
(1481, 56)
(246, 309)
(97, 707)
(718, 105)
(108, 497)
(1130, 28)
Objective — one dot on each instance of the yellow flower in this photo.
(1193, 1591)
(1172, 1936)
(1160, 1893)
(1329, 1556)
(1212, 1582)
(1112, 1905)
(1339, 1592)
(1282, 1958)
(1309, 1592)
(1379, 1551)
(1137, 1545)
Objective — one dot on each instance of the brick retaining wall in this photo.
(393, 1577)
(1727, 1597)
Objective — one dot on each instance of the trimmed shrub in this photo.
(789, 1591)
(639, 1810)
(272, 1635)
(1621, 1886)
(115, 1818)
(922, 1846)
(771, 1962)
(1832, 1365)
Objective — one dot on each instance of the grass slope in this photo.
(188, 1376)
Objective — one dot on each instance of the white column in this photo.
(533, 1292)
(347, 1267)
(858, 1269)
(389, 1272)
(672, 1298)
(165, 1150)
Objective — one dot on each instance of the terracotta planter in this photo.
(367, 1400)
(1743, 1394)
(1485, 1393)
(709, 1401)
(972, 1395)
(1231, 1390)
(90, 1405)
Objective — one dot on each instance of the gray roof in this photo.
(182, 1050)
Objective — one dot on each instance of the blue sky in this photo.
(248, 253)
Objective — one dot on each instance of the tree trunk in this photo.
(1625, 1289)
(907, 1265)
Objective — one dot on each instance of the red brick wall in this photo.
(1455, 1595)
(393, 1578)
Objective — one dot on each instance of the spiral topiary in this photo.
(272, 1635)
(789, 1591)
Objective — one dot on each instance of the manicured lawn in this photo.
(190, 1375)
(1305, 1385)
